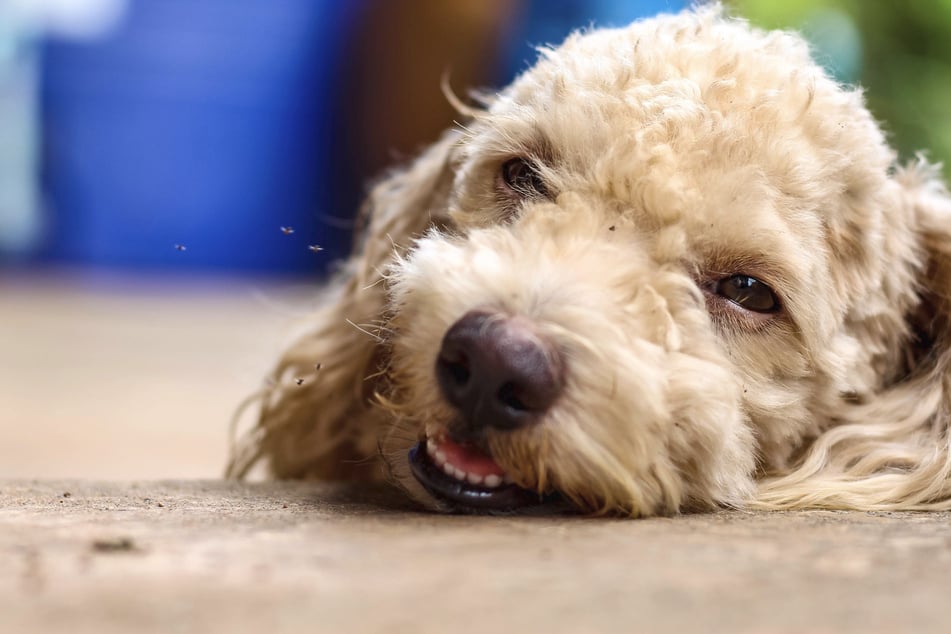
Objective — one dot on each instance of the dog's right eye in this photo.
(521, 177)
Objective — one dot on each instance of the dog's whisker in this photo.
(380, 279)
(365, 331)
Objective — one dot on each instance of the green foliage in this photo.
(899, 51)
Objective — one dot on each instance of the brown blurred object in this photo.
(402, 49)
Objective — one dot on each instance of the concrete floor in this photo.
(106, 386)
(209, 556)
(112, 377)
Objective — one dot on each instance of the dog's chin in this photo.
(463, 479)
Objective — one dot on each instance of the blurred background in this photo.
(176, 176)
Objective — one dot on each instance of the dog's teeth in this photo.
(439, 458)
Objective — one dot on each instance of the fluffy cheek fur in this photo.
(650, 419)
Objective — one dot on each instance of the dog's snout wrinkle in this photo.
(497, 372)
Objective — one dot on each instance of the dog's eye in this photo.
(522, 178)
(748, 292)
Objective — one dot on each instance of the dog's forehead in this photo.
(682, 102)
(673, 74)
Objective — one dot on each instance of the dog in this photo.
(673, 267)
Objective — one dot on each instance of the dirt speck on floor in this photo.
(114, 545)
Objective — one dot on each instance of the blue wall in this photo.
(202, 123)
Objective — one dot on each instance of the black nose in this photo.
(497, 371)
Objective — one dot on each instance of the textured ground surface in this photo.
(207, 556)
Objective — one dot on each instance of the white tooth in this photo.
(431, 446)
(440, 458)
(459, 474)
(448, 468)
(492, 481)
(474, 478)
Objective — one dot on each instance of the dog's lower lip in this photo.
(463, 496)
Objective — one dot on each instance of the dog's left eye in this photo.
(748, 292)
(522, 178)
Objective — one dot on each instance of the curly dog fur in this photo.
(599, 205)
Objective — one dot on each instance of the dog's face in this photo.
(668, 254)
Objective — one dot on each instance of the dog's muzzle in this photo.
(498, 374)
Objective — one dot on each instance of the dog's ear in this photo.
(928, 198)
(318, 421)
(892, 449)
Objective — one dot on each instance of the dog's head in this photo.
(658, 265)
(667, 255)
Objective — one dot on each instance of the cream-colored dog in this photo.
(673, 266)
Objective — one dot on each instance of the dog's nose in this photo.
(497, 371)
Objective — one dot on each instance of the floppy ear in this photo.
(893, 450)
(326, 426)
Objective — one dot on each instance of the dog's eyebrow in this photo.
(724, 263)
(505, 143)
(541, 147)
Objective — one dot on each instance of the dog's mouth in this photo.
(468, 479)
